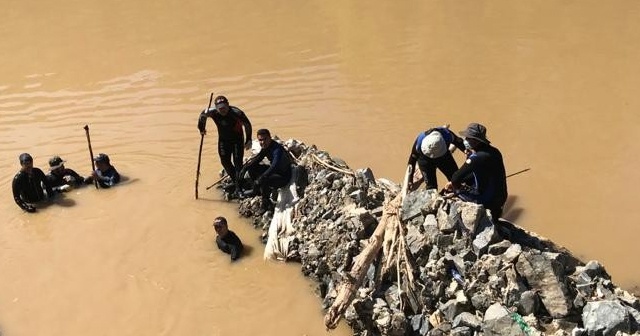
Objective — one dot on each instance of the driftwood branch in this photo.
(338, 169)
(353, 280)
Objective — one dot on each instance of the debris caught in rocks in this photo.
(392, 262)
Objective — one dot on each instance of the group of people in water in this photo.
(32, 187)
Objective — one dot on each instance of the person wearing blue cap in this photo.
(105, 173)
(431, 150)
(30, 185)
(230, 121)
(482, 177)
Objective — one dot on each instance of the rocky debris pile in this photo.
(465, 274)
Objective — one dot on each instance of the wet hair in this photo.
(25, 157)
(220, 221)
(221, 100)
(264, 132)
(102, 157)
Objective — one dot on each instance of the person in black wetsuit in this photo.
(105, 173)
(227, 240)
(30, 185)
(430, 150)
(231, 142)
(482, 178)
(268, 178)
(60, 178)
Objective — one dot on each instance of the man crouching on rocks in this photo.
(268, 178)
(227, 240)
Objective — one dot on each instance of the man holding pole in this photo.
(230, 121)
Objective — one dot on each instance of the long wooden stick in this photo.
(224, 176)
(519, 172)
(200, 150)
(93, 165)
(353, 280)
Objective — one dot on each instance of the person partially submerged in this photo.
(30, 185)
(60, 178)
(227, 240)
(105, 173)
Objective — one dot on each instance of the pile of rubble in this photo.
(449, 270)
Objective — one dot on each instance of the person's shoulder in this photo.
(18, 175)
(69, 171)
(238, 112)
(233, 235)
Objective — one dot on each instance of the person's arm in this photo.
(15, 186)
(78, 180)
(202, 120)
(413, 157)
(235, 245)
(278, 152)
(247, 127)
(464, 172)
(47, 184)
(453, 139)
(222, 245)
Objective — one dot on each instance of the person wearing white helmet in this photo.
(431, 150)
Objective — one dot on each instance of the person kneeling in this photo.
(227, 240)
(268, 178)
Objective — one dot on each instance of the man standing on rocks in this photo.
(482, 178)
(268, 178)
(229, 120)
(431, 150)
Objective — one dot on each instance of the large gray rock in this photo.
(498, 322)
(486, 235)
(452, 308)
(499, 247)
(495, 311)
(470, 215)
(634, 318)
(529, 303)
(418, 203)
(466, 319)
(447, 222)
(512, 253)
(605, 318)
(547, 278)
(416, 241)
(515, 288)
(419, 325)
